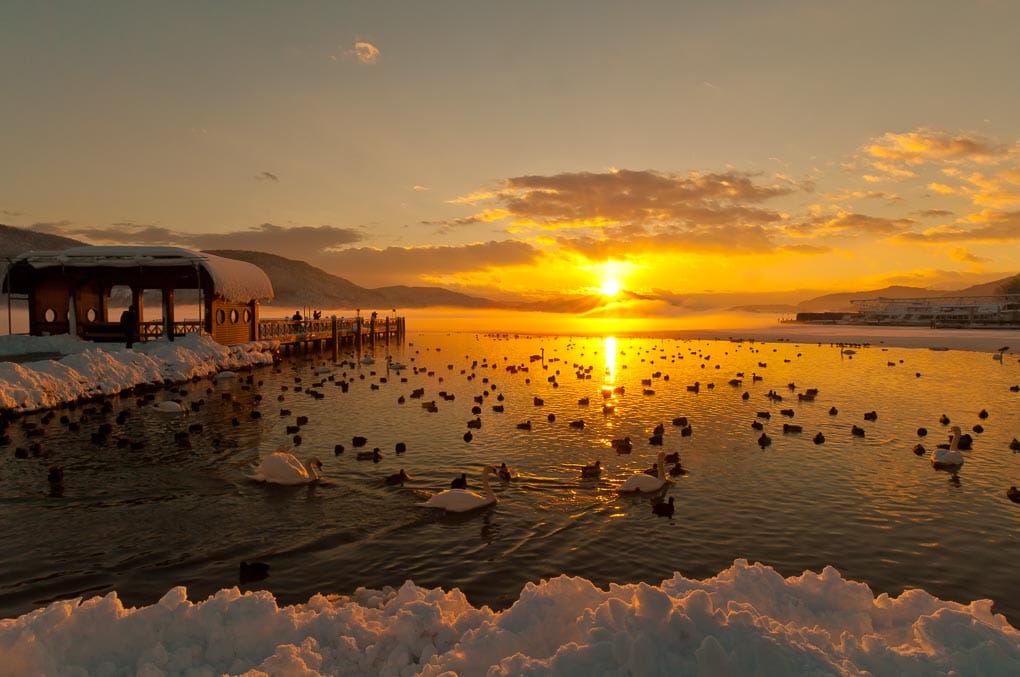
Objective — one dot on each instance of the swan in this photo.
(281, 467)
(463, 500)
(951, 458)
(642, 483)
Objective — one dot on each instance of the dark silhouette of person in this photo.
(129, 325)
(317, 315)
(297, 316)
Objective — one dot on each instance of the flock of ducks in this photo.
(285, 468)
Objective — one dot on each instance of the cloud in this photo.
(993, 226)
(806, 249)
(626, 197)
(412, 265)
(623, 242)
(863, 194)
(266, 176)
(419, 187)
(8, 212)
(295, 242)
(51, 227)
(487, 216)
(363, 51)
(849, 223)
(963, 256)
(934, 213)
(928, 145)
(942, 189)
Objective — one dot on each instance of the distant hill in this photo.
(841, 302)
(300, 284)
(14, 241)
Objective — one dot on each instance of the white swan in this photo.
(951, 458)
(169, 407)
(644, 483)
(463, 500)
(281, 467)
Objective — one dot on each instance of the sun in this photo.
(610, 287)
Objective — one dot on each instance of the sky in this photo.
(529, 149)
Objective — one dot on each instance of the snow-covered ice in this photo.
(90, 369)
(746, 620)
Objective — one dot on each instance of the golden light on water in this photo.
(609, 351)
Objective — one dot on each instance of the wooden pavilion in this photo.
(69, 291)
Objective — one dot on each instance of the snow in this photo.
(90, 369)
(746, 620)
(235, 281)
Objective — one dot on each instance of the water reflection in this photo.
(864, 504)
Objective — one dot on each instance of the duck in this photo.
(397, 477)
(664, 508)
(951, 458)
(677, 470)
(282, 467)
(593, 470)
(1013, 494)
(506, 473)
(653, 471)
(642, 483)
(459, 482)
(463, 500)
(373, 455)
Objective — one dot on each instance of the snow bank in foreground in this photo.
(746, 620)
(105, 369)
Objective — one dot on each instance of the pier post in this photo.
(336, 339)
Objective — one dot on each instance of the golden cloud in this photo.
(926, 145)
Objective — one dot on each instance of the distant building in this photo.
(68, 291)
(1000, 311)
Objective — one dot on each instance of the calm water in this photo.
(141, 521)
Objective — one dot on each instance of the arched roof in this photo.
(232, 280)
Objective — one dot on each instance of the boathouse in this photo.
(69, 292)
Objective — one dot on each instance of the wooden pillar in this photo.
(168, 314)
(72, 311)
(371, 329)
(253, 331)
(336, 339)
(387, 330)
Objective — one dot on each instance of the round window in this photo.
(221, 317)
(233, 316)
(247, 316)
(50, 315)
(91, 315)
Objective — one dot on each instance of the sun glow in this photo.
(610, 287)
(609, 274)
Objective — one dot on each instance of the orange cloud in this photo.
(926, 145)
(848, 223)
(995, 226)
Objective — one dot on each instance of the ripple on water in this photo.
(143, 520)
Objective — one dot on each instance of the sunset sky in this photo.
(529, 148)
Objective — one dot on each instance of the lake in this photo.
(142, 518)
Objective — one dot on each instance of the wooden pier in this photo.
(356, 333)
(328, 333)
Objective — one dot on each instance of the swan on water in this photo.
(642, 483)
(282, 467)
(951, 458)
(463, 500)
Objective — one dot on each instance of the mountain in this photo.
(14, 241)
(841, 302)
(300, 284)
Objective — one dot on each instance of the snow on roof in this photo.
(235, 281)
